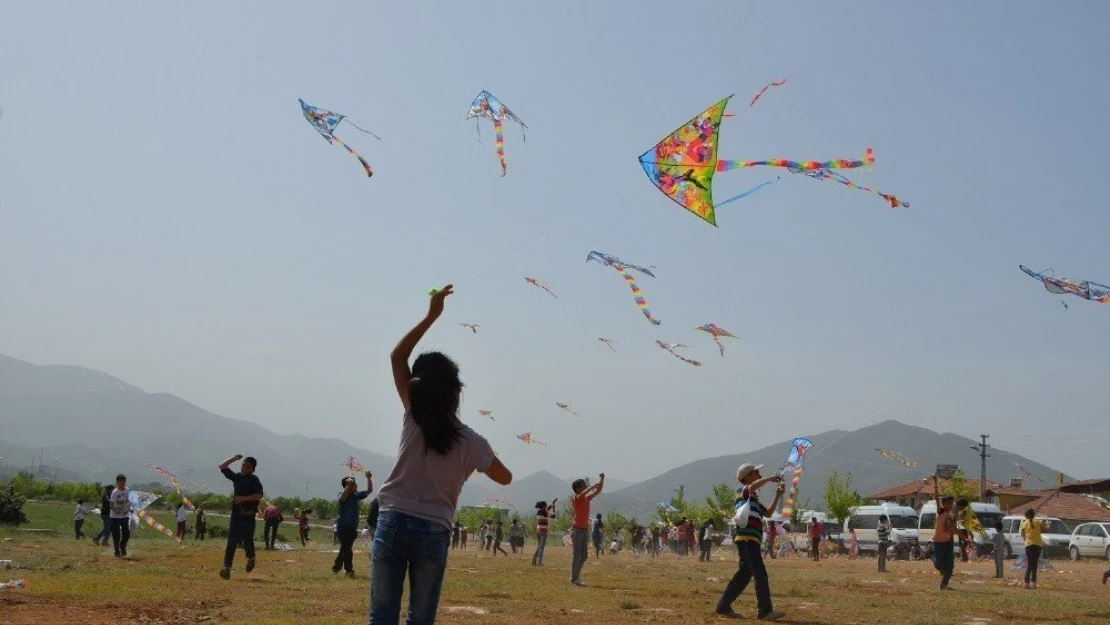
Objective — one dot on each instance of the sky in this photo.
(168, 216)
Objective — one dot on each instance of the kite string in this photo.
(550, 234)
(363, 129)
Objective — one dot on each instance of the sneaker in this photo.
(577, 582)
(225, 573)
(773, 615)
(727, 613)
(1105, 576)
(351, 574)
(250, 565)
(335, 570)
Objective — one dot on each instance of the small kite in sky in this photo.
(622, 268)
(671, 347)
(473, 327)
(325, 121)
(1028, 473)
(717, 332)
(487, 413)
(1086, 289)
(528, 440)
(536, 283)
(489, 107)
(354, 466)
(682, 165)
(899, 458)
(567, 408)
(608, 343)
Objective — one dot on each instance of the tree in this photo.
(958, 487)
(839, 496)
(11, 507)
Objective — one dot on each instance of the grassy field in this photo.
(70, 581)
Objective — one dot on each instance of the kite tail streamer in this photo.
(836, 163)
(637, 294)
(363, 129)
(13, 583)
(792, 496)
(499, 142)
(835, 177)
(748, 192)
(365, 165)
(156, 526)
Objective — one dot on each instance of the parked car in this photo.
(865, 520)
(1056, 536)
(1090, 540)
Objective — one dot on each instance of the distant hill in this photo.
(100, 425)
(850, 452)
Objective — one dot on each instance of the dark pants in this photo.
(106, 532)
(1032, 561)
(202, 528)
(946, 561)
(883, 546)
(269, 533)
(240, 529)
(705, 546)
(597, 545)
(77, 523)
(751, 566)
(121, 533)
(345, 559)
(815, 547)
(580, 550)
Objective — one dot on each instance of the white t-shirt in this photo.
(80, 512)
(181, 514)
(120, 501)
(425, 484)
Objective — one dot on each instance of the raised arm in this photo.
(399, 358)
(226, 463)
(936, 491)
(369, 482)
(778, 495)
(499, 473)
(595, 490)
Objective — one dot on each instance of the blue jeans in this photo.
(751, 567)
(541, 545)
(581, 551)
(403, 545)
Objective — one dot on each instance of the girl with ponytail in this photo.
(437, 454)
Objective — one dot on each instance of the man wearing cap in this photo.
(748, 539)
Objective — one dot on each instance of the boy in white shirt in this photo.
(120, 504)
(79, 518)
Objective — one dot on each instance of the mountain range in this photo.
(88, 425)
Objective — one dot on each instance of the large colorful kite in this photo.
(1086, 289)
(488, 106)
(325, 121)
(622, 268)
(354, 466)
(682, 165)
(795, 467)
(717, 332)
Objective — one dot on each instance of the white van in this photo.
(987, 513)
(1056, 535)
(865, 521)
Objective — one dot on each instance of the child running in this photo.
(120, 504)
(247, 489)
(747, 539)
(436, 455)
(580, 529)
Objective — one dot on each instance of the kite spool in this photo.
(432, 291)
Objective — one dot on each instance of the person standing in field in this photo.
(599, 527)
(248, 493)
(200, 523)
(105, 518)
(815, 538)
(455, 536)
(516, 536)
(1031, 532)
(998, 547)
(271, 517)
(436, 455)
(79, 518)
(181, 521)
(944, 536)
(120, 505)
(498, 537)
(747, 539)
(883, 532)
(580, 528)
(347, 522)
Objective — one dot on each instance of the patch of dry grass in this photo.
(160, 583)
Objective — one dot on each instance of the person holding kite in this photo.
(437, 454)
(748, 535)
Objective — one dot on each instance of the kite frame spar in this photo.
(1065, 286)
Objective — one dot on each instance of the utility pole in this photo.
(983, 455)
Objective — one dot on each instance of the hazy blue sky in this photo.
(168, 216)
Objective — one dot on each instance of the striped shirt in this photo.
(883, 531)
(541, 522)
(754, 529)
